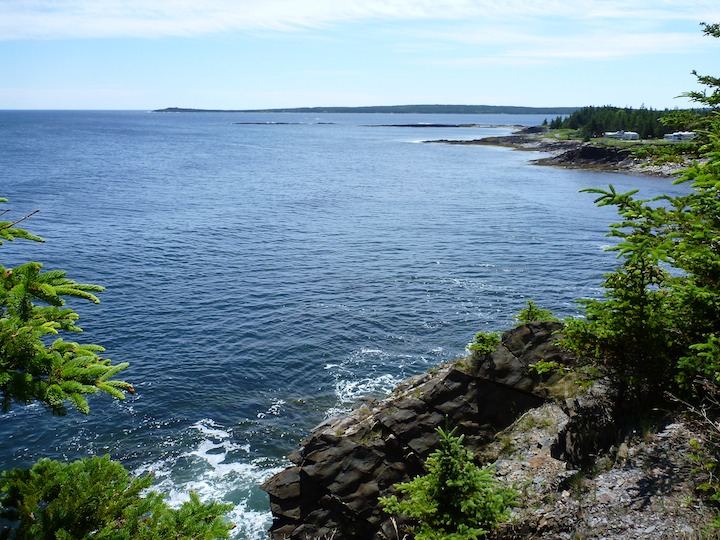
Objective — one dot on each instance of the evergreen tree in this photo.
(593, 121)
(699, 120)
(93, 498)
(658, 323)
(456, 498)
(709, 97)
(32, 310)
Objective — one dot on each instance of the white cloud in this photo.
(53, 19)
(607, 46)
(535, 50)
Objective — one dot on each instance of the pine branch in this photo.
(10, 225)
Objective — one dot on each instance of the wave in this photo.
(218, 468)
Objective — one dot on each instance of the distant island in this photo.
(396, 109)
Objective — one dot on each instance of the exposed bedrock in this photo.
(587, 155)
(346, 463)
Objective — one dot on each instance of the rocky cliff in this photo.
(539, 434)
(347, 462)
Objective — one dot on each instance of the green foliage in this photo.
(546, 366)
(594, 121)
(685, 120)
(484, 342)
(704, 359)
(628, 330)
(96, 498)
(659, 320)
(705, 468)
(9, 232)
(698, 120)
(674, 152)
(32, 310)
(711, 99)
(456, 499)
(532, 313)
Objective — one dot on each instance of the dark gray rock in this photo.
(593, 426)
(347, 463)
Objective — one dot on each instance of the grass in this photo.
(660, 151)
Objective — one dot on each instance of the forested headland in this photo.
(592, 121)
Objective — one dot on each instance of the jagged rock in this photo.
(347, 462)
(643, 490)
(647, 494)
(593, 425)
(591, 154)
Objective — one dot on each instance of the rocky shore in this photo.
(575, 154)
(583, 467)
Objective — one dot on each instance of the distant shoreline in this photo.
(393, 109)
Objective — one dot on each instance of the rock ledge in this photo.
(580, 473)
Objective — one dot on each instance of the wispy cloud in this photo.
(57, 19)
(608, 46)
(527, 49)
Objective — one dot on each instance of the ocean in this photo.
(264, 271)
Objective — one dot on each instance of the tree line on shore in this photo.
(592, 121)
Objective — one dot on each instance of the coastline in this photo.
(582, 466)
(573, 154)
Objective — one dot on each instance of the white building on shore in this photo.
(624, 135)
(680, 136)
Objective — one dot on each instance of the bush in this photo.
(532, 313)
(484, 342)
(96, 498)
(456, 499)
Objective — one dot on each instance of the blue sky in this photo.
(247, 54)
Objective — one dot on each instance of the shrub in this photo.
(96, 498)
(532, 313)
(484, 342)
(456, 499)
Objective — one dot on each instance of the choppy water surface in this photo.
(261, 276)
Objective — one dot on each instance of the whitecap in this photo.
(218, 468)
(211, 429)
(349, 391)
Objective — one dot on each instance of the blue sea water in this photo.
(263, 271)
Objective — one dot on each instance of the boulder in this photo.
(593, 427)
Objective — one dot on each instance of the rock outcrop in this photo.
(575, 154)
(347, 463)
(583, 470)
(642, 488)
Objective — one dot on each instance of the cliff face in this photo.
(347, 463)
(540, 438)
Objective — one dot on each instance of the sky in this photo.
(257, 54)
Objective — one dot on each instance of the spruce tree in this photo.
(93, 498)
(658, 324)
(36, 363)
(456, 499)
